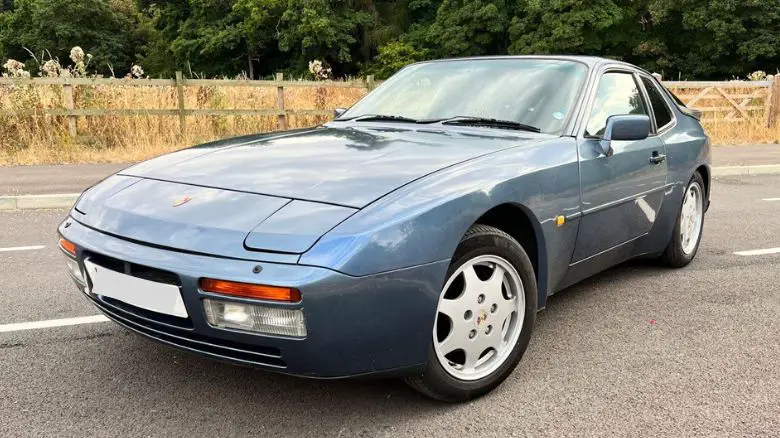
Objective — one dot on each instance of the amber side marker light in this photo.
(68, 246)
(248, 290)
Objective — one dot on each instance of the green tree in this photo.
(713, 39)
(470, 27)
(259, 19)
(598, 27)
(696, 39)
(320, 29)
(394, 56)
(104, 28)
(205, 36)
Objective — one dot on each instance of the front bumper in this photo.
(355, 325)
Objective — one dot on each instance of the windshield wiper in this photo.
(379, 118)
(484, 121)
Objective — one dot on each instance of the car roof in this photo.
(590, 61)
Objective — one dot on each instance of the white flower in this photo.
(319, 71)
(50, 68)
(758, 75)
(77, 54)
(15, 69)
(137, 71)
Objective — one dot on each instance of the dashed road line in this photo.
(22, 248)
(755, 252)
(19, 326)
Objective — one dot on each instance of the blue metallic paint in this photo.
(283, 231)
(344, 164)
(363, 218)
(355, 325)
(541, 177)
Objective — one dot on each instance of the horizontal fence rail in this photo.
(727, 101)
(69, 110)
(186, 82)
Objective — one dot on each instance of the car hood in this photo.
(205, 220)
(276, 194)
(348, 166)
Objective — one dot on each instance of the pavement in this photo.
(71, 179)
(751, 155)
(639, 350)
(53, 179)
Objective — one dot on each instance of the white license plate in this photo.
(146, 294)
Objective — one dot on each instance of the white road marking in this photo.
(22, 248)
(4, 328)
(771, 199)
(758, 252)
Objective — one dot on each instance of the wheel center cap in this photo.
(481, 318)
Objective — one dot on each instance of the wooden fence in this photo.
(69, 110)
(730, 101)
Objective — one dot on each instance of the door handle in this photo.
(657, 158)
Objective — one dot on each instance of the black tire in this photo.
(435, 381)
(674, 256)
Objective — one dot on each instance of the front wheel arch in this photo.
(520, 223)
(434, 380)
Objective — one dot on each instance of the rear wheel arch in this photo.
(520, 223)
(705, 176)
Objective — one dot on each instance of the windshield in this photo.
(535, 92)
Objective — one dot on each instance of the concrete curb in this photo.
(66, 200)
(38, 202)
(762, 169)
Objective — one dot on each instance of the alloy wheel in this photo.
(691, 218)
(479, 317)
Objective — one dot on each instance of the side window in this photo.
(660, 110)
(618, 94)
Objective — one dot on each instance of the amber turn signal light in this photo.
(68, 246)
(248, 290)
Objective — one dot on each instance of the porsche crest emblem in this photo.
(481, 318)
(183, 200)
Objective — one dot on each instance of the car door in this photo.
(621, 193)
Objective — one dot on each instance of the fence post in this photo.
(67, 97)
(180, 95)
(370, 83)
(773, 99)
(281, 119)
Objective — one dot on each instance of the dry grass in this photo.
(753, 131)
(45, 140)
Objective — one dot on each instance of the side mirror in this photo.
(338, 112)
(625, 127)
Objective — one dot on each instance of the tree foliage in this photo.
(701, 39)
(103, 28)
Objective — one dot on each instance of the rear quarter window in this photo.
(661, 111)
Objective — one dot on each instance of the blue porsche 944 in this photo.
(416, 235)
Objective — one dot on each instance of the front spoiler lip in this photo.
(131, 326)
(389, 373)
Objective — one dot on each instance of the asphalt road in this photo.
(637, 351)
